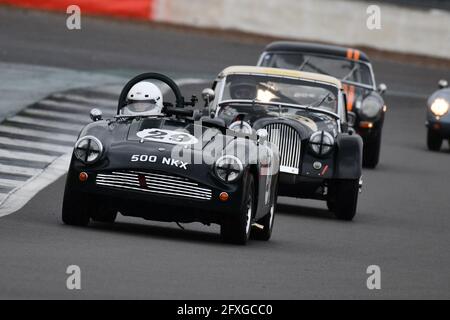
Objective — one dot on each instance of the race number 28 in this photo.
(167, 136)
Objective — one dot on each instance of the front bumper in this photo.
(369, 130)
(439, 125)
(298, 186)
(142, 199)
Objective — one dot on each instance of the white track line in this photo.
(11, 183)
(46, 123)
(57, 114)
(113, 89)
(69, 106)
(33, 144)
(19, 170)
(18, 197)
(85, 100)
(190, 81)
(39, 133)
(20, 155)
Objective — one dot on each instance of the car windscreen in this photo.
(280, 90)
(347, 70)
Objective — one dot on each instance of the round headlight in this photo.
(439, 107)
(321, 143)
(88, 149)
(228, 168)
(241, 126)
(371, 107)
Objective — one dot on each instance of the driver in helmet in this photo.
(243, 90)
(144, 99)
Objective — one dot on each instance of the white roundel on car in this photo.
(167, 136)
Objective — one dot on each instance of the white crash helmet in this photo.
(144, 98)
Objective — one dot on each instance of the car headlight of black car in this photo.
(439, 107)
(228, 168)
(371, 107)
(88, 149)
(321, 143)
(241, 126)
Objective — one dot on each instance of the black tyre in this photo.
(267, 223)
(434, 140)
(331, 205)
(75, 210)
(104, 214)
(237, 229)
(346, 199)
(371, 152)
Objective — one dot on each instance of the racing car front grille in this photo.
(155, 183)
(289, 145)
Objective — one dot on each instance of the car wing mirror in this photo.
(443, 84)
(382, 88)
(208, 95)
(96, 114)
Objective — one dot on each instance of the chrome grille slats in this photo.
(157, 191)
(168, 178)
(288, 141)
(154, 183)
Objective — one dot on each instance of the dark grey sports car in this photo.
(171, 167)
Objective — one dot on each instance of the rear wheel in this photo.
(236, 229)
(345, 199)
(434, 140)
(267, 223)
(371, 152)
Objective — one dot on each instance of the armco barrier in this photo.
(404, 30)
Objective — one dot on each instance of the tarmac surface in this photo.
(402, 224)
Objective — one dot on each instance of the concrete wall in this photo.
(425, 32)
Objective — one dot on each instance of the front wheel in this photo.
(331, 205)
(434, 140)
(371, 152)
(75, 209)
(236, 229)
(346, 199)
(104, 214)
(266, 222)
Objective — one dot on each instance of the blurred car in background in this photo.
(438, 117)
(364, 99)
(304, 115)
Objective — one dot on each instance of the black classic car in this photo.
(305, 116)
(364, 99)
(438, 117)
(160, 161)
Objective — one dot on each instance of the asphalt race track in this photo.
(402, 225)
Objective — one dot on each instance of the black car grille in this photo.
(289, 144)
(155, 183)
